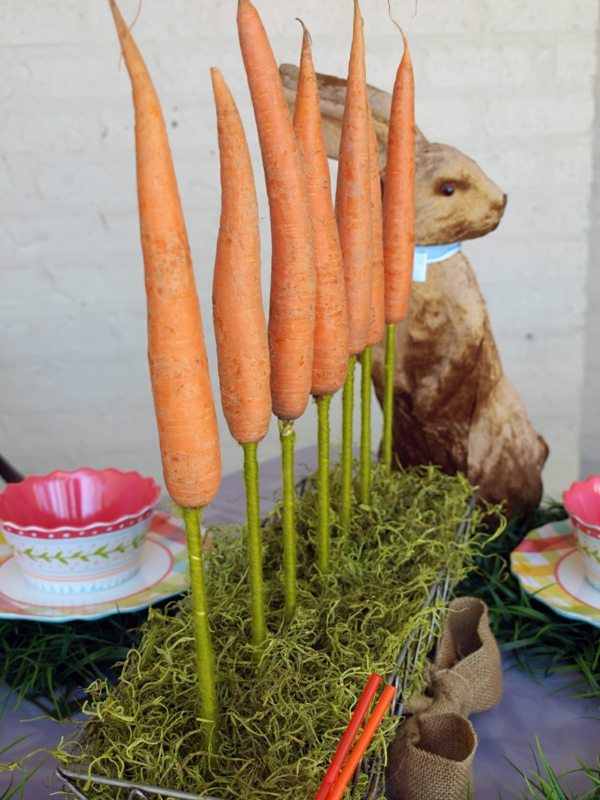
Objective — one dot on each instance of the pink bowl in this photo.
(78, 531)
(582, 501)
(76, 500)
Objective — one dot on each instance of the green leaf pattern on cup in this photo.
(78, 555)
(590, 552)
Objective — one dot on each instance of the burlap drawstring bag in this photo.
(432, 755)
(468, 652)
(432, 759)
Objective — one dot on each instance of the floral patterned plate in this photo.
(548, 566)
(162, 574)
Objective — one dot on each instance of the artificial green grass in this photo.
(19, 778)
(544, 783)
(282, 717)
(50, 664)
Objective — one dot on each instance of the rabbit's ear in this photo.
(332, 91)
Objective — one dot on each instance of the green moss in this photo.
(281, 718)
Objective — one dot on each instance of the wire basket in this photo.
(419, 642)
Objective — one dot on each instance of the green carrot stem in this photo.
(388, 394)
(255, 566)
(323, 538)
(205, 658)
(347, 411)
(287, 437)
(365, 425)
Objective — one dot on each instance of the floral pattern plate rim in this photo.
(548, 566)
(162, 574)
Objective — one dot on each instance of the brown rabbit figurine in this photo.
(453, 404)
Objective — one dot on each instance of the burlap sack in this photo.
(432, 755)
(467, 659)
(432, 759)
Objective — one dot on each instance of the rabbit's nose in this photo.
(504, 200)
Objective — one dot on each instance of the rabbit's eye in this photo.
(448, 188)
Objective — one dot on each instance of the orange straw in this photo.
(363, 742)
(346, 742)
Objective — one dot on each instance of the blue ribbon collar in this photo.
(432, 254)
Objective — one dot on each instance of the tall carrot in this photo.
(183, 400)
(330, 360)
(398, 225)
(353, 214)
(377, 320)
(293, 282)
(240, 327)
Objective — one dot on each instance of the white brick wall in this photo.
(590, 437)
(510, 83)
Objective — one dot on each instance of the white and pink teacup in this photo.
(81, 531)
(582, 501)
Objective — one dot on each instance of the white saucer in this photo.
(569, 574)
(549, 567)
(162, 574)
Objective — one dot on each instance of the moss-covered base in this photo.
(281, 719)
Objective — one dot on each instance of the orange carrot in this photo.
(240, 327)
(330, 358)
(399, 194)
(330, 362)
(183, 399)
(377, 322)
(293, 281)
(353, 194)
(353, 215)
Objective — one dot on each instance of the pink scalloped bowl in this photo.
(78, 531)
(582, 501)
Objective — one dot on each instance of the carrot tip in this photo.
(123, 31)
(306, 37)
(400, 28)
(405, 42)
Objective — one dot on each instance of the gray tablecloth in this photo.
(567, 728)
